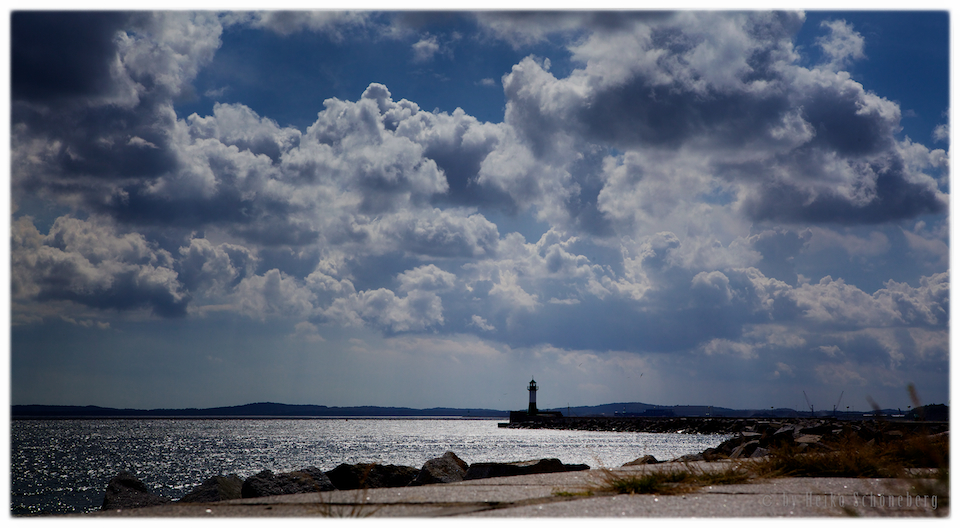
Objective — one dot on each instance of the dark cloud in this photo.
(90, 263)
(845, 123)
(888, 195)
(641, 114)
(778, 248)
(138, 205)
(61, 55)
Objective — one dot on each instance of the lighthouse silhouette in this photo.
(532, 409)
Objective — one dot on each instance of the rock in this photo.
(359, 476)
(786, 429)
(216, 489)
(745, 450)
(808, 439)
(447, 468)
(645, 459)
(727, 447)
(760, 452)
(266, 484)
(527, 467)
(127, 491)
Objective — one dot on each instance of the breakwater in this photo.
(722, 425)
(751, 437)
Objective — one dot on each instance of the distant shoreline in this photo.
(249, 417)
(249, 411)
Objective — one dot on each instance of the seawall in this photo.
(714, 425)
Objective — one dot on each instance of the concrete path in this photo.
(565, 495)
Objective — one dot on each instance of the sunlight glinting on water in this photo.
(63, 466)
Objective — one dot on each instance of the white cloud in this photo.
(942, 133)
(481, 323)
(418, 310)
(273, 294)
(842, 45)
(307, 332)
(427, 277)
(425, 49)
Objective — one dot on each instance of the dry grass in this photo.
(851, 456)
(667, 481)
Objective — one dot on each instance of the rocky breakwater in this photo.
(720, 425)
(127, 491)
(756, 438)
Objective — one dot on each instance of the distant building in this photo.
(532, 408)
(532, 414)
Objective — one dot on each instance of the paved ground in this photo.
(564, 495)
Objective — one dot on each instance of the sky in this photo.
(427, 209)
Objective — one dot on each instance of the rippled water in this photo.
(63, 466)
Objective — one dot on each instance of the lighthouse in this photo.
(532, 409)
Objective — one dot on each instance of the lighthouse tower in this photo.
(532, 410)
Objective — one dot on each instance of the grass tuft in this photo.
(668, 481)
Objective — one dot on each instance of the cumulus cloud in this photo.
(427, 277)
(418, 310)
(811, 145)
(667, 192)
(92, 264)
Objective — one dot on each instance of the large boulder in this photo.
(528, 467)
(216, 489)
(359, 476)
(444, 469)
(266, 483)
(127, 491)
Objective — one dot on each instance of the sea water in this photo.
(63, 466)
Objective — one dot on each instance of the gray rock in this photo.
(447, 468)
(216, 489)
(127, 491)
(360, 476)
(266, 484)
(760, 452)
(645, 459)
(728, 446)
(745, 449)
(527, 467)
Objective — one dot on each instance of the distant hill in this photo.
(272, 410)
(932, 412)
(646, 409)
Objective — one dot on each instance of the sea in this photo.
(63, 466)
